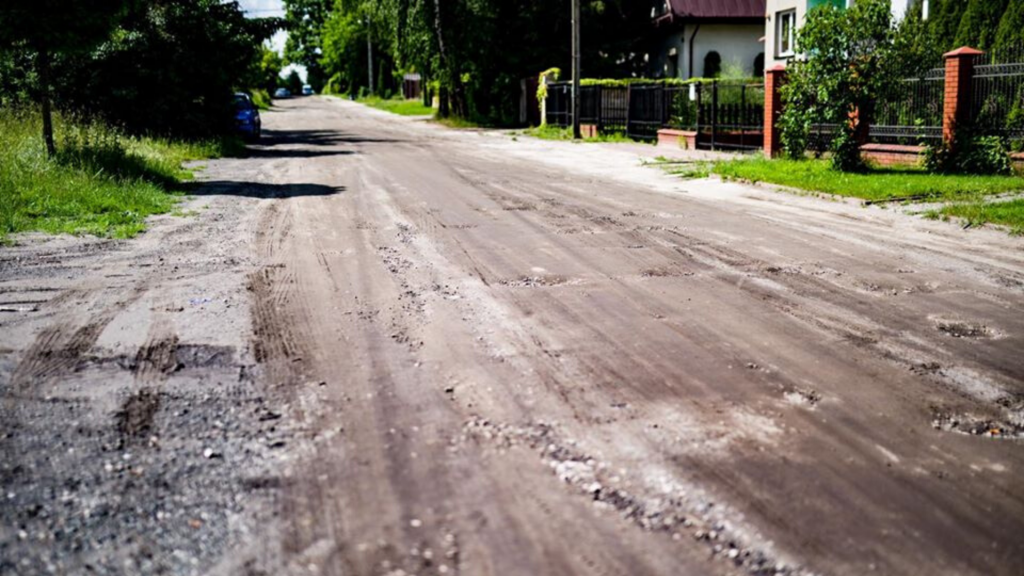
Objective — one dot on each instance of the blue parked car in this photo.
(247, 117)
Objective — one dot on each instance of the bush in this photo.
(969, 155)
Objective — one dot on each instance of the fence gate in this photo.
(726, 115)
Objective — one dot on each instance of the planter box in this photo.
(1017, 161)
(685, 139)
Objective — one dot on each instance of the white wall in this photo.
(735, 43)
(899, 9)
(773, 8)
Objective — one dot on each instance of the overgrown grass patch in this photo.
(398, 106)
(1009, 213)
(101, 182)
(875, 185)
(549, 132)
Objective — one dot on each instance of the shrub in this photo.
(969, 155)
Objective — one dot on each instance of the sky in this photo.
(263, 9)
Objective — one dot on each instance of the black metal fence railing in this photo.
(997, 101)
(725, 115)
(913, 113)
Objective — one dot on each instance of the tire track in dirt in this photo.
(804, 294)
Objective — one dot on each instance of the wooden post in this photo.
(576, 69)
(956, 108)
(773, 80)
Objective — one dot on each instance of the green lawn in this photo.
(549, 132)
(879, 184)
(101, 182)
(1010, 214)
(398, 106)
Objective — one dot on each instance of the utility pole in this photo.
(576, 69)
(369, 55)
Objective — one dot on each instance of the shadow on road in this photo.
(263, 191)
(315, 138)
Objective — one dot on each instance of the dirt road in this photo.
(382, 347)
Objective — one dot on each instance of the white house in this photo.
(693, 34)
(784, 17)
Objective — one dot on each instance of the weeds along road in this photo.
(383, 347)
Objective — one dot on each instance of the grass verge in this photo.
(549, 132)
(398, 106)
(101, 182)
(877, 185)
(1009, 214)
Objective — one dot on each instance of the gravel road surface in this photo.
(378, 346)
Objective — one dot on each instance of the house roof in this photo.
(716, 9)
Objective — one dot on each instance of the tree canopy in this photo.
(159, 67)
(48, 27)
(475, 52)
(854, 58)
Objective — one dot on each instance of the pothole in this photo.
(663, 272)
(802, 397)
(204, 356)
(978, 426)
(958, 329)
(534, 281)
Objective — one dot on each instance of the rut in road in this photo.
(383, 347)
(519, 367)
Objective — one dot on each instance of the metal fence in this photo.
(726, 115)
(913, 113)
(997, 97)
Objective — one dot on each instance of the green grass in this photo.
(398, 106)
(549, 132)
(101, 182)
(1010, 213)
(454, 122)
(876, 185)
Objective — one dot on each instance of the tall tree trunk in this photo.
(445, 73)
(44, 80)
(442, 100)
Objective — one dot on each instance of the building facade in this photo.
(784, 17)
(701, 38)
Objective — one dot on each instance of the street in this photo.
(380, 346)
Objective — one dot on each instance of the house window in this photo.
(785, 33)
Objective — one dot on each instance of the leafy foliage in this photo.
(969, 154)
(166, 67)
(979, 24)
(474, 51)
(49, 27)
(855, 57)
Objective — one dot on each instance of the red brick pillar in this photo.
(956, 109)
(774, 78)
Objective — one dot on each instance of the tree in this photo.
(979, 23)
(305, 20)
(944, 22)
(1010, 34)
(268, 71)
(53, 27)
(854, 58)
(477, 51)
(293, 82)
(170, 68)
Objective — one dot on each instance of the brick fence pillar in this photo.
(774, 78)
(956, 107)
